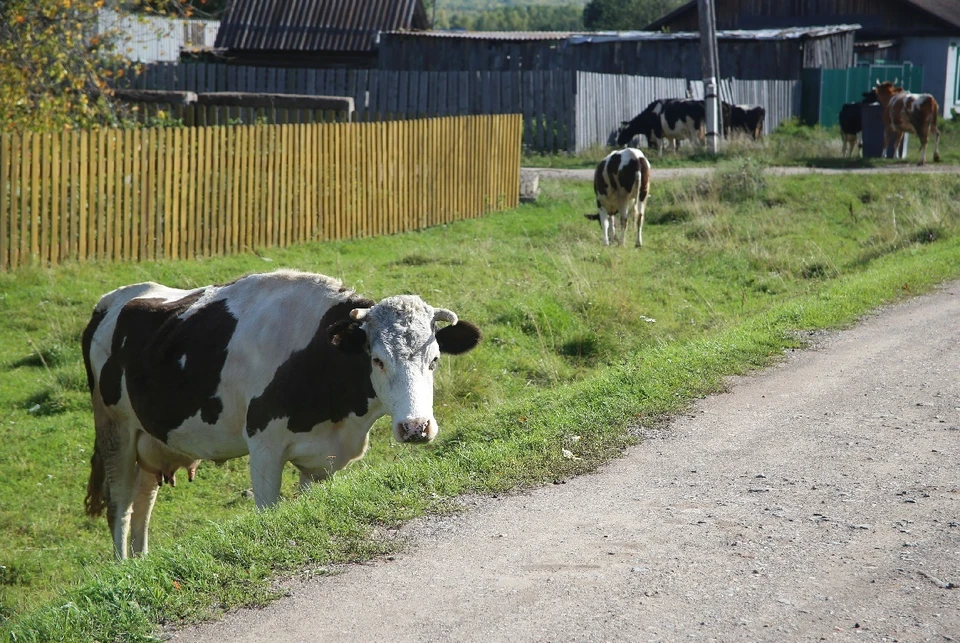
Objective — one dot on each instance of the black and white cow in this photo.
(851, 123)
(621, 183)
(743, 119)
(671, 119)
(284, 366)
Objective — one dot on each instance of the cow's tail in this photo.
(644, 179)
(96, 500)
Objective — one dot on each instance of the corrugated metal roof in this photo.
(315, 25)
(492, 35)
(946, 10)
(729, 34)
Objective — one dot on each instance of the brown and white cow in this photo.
(906, 112)
(621, 184)
(284, 366)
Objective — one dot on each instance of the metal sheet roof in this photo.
(315, 25)
(946, 10)
(491, 35)
(792, 33)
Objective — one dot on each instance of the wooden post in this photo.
(708, 67)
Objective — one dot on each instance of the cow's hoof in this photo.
(936, 158)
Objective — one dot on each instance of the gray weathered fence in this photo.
(604, 100)
(544, 98)
(780, 98)
(562, 110)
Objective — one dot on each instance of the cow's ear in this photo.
(458, 338)
(348, 336)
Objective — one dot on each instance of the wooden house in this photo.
(922, 32)
(313, 33)
(770, 54)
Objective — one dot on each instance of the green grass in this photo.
(790, 144)
(581, 342)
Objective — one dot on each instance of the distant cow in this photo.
(906, 112)
(743, 118)
(672, 119)
(286, 366)
(851, 122)
(621, 184)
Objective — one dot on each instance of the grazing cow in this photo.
(851, 122)
(743, 118)
(666, 119)
(286, 366)
(621, 184)
(906, 112)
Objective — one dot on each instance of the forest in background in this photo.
(489, 15)
(547, 15)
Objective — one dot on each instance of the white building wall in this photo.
(150, 39)
(952, 92)
(936, 56)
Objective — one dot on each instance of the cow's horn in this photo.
(359, 313)
(442, 314)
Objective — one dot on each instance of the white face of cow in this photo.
(403, 347)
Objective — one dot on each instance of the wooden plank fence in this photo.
(545, 98)
(135, 195)
(562, 110)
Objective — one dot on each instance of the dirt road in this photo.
(817, 500)
(677, 172)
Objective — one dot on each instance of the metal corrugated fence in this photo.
(174, 193)
(604, 100)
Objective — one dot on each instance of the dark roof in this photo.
(315, 25)
(946, 10)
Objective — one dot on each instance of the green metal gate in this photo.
(826, 90)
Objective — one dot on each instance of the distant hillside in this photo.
(507, 15)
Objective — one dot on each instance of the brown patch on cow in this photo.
(172, 365)
(319, 383)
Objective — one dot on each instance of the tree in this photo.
(625, 15)
(53, 72)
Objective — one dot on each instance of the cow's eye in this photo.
(378, 363)
(434, 363)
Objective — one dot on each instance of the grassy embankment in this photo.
(790, 144)
(581, 343)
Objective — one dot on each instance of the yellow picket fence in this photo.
(134, 195)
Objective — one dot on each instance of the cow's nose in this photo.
(414, 430)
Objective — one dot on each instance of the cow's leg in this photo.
(638, 211)
(923, 150)
(624, 217)
(936, 140)
(607, 226)
(121, 468)
(114, 445)
(266, 472)
(887, 133)
(144, 498)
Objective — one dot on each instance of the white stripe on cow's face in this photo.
(404, 353)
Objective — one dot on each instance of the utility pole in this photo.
(708, 68)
